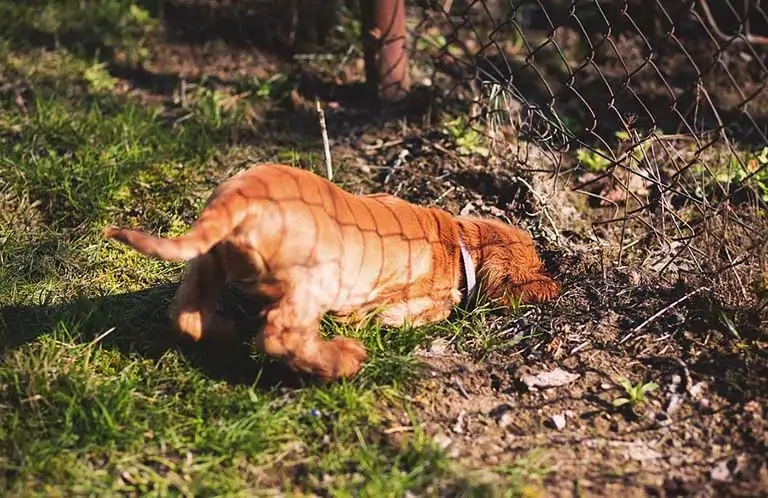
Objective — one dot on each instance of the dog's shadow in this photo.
(136, 323)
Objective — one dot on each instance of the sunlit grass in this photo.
(95, 396)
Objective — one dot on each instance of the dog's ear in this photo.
(535, 288)
(516, 287)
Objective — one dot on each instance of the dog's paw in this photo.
(349, 355)
(190, 324)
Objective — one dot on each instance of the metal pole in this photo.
(386, 60)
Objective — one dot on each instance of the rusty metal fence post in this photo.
(384, 41)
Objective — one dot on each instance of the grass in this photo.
(94, 397)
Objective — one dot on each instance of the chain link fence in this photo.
(653, 113)
(638, 127)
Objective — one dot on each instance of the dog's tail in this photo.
(216, 221)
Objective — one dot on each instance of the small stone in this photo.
(506, 420)
(559, 421)
(605, 386)
(721, 472)
(676, 461)
(442, 441)
(662, 419)
(438, 347)
(697, 389)
(676, 380)
(496, 211)
(754, 408)
(675, 402)
(458, 426)
(704, 405)
(640, 452)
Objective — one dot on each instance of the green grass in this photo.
(86, 418)
(95, 399)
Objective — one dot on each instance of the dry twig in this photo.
(326, 146)
(667, 308)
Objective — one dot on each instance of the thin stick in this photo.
(543, 203)
(101, 336)
(326, 146)
(667, 308)
(688, 381)
(400, 428)
(460, 385)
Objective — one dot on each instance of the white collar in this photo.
(470, 279)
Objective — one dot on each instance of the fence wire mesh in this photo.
(654, 112)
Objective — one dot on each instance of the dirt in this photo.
(701, 433)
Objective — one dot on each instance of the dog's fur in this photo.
(311, 248)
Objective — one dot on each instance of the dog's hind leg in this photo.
(193, 311)
(291, 333)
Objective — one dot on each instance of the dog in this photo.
(309, 248)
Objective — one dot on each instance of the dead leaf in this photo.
(554, 378)
(640, 452)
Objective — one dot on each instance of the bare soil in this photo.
(702, 433)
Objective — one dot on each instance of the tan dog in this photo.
(312, 248)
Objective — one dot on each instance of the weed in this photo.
(98, 78)
(468, 140)
(349, 28)
(750, 170)
(599, 160)
(594, 161)
(429, 41)
(729, 324)
(635, 395)
(111, 25)
(272, 88)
